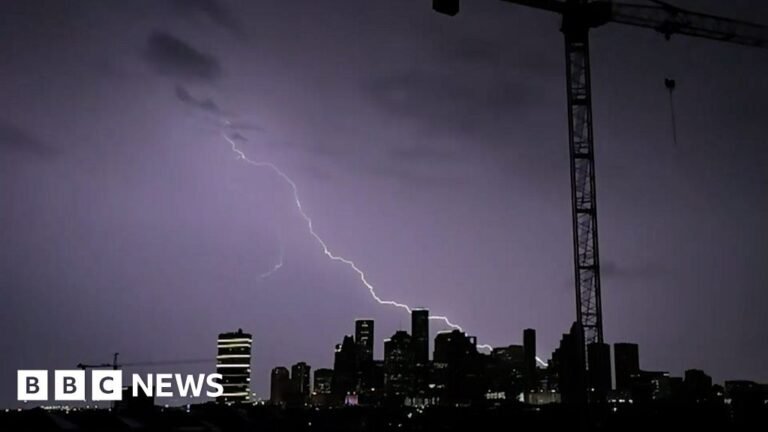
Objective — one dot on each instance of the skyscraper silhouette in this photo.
(300, 381)
(364, 337)
(280, 386)
(345, 362)
(599, 373)
(457, 366)
(626, 361)
(568, 362)
(398, 364)
(529, 350)
(420, 335)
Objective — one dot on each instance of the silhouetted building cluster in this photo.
(291, 388)
(457, 374)
(575, 377)
(457, 388)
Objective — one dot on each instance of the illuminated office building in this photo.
(233, 362)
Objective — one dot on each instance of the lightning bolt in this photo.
(349, 263)
(278, 265)
(275, 267)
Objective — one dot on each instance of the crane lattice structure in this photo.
(578, 18)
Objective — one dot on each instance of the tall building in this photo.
(568, 365)
(599, 373)
(398, 364)
(454, 346)
(233, 362)
(364, 337)
(529, 351)
(345, 362)
(369, 379)
(505, 371)
(280, 386)
(420, 335)
(300, 381)
(457, 367)
(626, 361)
(321, 387)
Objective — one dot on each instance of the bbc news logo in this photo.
(107, 385)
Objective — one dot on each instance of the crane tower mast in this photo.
(578, 17)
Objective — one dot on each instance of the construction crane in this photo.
(115, 365)
(578, 18)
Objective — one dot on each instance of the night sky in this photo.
(430, 150)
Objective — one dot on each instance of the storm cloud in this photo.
(169, 55)
(205, 104)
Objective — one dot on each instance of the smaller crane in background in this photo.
(115, 365)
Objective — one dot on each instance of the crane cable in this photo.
(670, 84)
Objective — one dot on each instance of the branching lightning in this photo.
(222, 121)
(349, 263)
(241, 155)
(277, 265)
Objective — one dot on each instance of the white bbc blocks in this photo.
(69, 385)
(106, 385)
(32, 385)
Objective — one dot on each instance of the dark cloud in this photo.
(14, 139)
(210, 106)
(450, 100)
(170, 55)
(212, 10)
(245, 125)
(205, 104)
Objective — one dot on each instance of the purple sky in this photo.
(431, 151)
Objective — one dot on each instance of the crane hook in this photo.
(670, 84)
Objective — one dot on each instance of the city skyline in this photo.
(457, 373)
(429, 152)
(533, 381)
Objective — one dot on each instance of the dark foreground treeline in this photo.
(210, 417)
